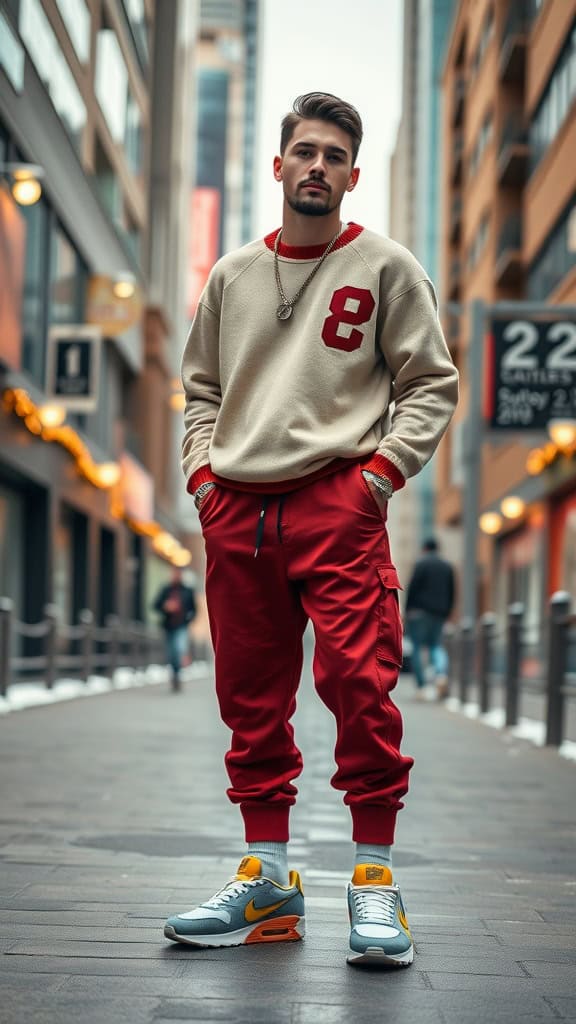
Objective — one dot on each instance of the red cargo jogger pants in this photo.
(322, 554)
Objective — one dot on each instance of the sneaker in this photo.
(442, 687)
(379, 934)
(250, 908)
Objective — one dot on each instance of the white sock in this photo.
(274, 859)
(372, 853)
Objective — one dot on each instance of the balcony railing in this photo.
(509, 267)
(514, 40)
(513, 152)
(456, 219)
(457, 155)
(458, 100)
(454, 276)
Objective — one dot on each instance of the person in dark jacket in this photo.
(177, 604)
(429, 602)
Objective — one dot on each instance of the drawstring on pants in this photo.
(261, 519)
(260, 527)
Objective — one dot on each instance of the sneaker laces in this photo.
(375, 903)
(234, 888)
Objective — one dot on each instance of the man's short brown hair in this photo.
(323, 106)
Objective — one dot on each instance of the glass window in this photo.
(107, 184)
(14, 7)
(76, 17)
(556, 101)
(482, 141)
(133, 237)
(478, 242)
(62, 572)
(556, 258)
(12, 548)
(136, 15)
(133, 135)
(116, 100)
(35, 276)
(111, 85)
(52, 68)
(11, 55)
(63, 280)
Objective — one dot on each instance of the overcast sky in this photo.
(352, 49)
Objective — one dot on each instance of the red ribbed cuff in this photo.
(264, 821)
(203, 475)
(373, 823)
(382, 466)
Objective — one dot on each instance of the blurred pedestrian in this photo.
(429, 603)
(176, 602)
(300, 343)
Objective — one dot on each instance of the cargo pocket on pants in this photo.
(389, 643)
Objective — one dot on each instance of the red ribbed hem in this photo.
(373, 823)
(264, 821)
(203, 475)
(312, 252)
(382, 466)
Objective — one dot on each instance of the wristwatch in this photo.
(382, 483)
(202, 491)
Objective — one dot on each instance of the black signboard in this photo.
(531, 373)
(72, 369)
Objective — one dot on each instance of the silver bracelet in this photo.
(201, 491)
(382, 483)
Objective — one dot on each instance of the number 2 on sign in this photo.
(523, 336)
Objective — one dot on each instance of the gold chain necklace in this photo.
(284, 311)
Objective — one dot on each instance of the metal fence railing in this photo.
(489, 655)
(76, 651)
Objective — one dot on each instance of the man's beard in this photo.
(309, 207)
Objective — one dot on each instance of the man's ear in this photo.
(353, 179)
(278, 168)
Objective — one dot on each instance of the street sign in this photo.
(73, 366)
(530, 373)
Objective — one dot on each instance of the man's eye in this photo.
(304, 152)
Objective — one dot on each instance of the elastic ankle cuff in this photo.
(372, 823)
(266, 822)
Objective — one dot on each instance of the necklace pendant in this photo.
(284, 311)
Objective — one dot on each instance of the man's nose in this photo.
(318, 165)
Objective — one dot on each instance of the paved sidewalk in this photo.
(112, 817)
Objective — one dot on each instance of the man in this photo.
(299, 344)
(177, 605)
(429, 602)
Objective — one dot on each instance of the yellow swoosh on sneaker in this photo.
(404, 921)
(253, 913)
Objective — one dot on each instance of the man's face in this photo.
(316, 168)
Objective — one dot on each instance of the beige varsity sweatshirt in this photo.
(272, 404)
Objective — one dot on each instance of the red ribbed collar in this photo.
(311, 252)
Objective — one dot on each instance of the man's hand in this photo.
(378, 496)
(380, 488)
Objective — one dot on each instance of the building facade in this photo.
(509, 210)
(227, 62)
(93, 96)
(224, 145)
(414, 218)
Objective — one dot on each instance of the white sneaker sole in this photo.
(374, 956)
(241, 936)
